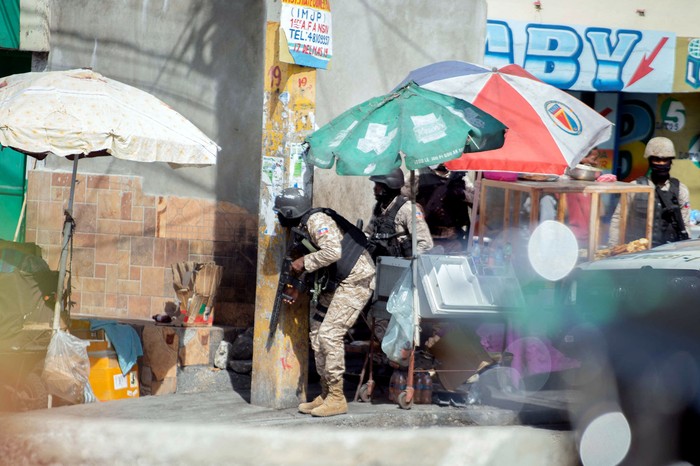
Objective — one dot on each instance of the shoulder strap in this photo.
(675, 188)
(395, 209)
(345, 225)
(353, 244)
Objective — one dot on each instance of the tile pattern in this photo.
(126, 240)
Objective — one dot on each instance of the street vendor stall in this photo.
(512, 194)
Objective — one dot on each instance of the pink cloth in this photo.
(531, 355)
(501, 176)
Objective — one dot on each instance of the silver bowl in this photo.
(584, 173)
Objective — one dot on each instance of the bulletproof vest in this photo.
(666, 227)
(353, 244)
(384, 239)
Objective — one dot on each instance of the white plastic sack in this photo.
(399, 332)
(67, 368)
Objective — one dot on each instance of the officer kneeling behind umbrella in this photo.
(339, 252)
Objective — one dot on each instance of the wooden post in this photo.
(593, 220)
(280, 360)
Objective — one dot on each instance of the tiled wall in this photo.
(125, 242)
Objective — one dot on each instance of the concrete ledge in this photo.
(65, 440)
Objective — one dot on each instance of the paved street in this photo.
(222, 427)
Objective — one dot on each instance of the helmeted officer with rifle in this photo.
(391, 226)
(672, 200)
(337, 270)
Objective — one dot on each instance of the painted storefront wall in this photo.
(644, 72)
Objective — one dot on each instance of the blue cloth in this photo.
(125, 340)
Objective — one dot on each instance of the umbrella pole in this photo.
(475, 209)
(414, 264)
(67, 233)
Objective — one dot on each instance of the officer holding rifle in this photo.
(335, 255)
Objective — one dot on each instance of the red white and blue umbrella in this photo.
(548, 129)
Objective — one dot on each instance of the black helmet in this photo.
(292, 203)
(393, 180)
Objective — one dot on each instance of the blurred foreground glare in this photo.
(552, 250)
(606, 440)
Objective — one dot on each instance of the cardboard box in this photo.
(81, 329)
(150, 386)
(160, 351)
(196, 285)
(164, 387)
(194, 347)
(106, 378)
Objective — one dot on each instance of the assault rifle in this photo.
(674, 212)
(287, 278)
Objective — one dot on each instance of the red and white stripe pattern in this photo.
(548, 129)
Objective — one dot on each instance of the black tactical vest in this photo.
(384, 239)
(353, 244)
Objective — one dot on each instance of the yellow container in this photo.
(106, 378)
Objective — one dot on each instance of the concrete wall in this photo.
(375, 45)
(34, 32)
(680, 16)
(202, 58)
(206, 60)
(133, 221)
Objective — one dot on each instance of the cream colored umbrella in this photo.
(80, 113)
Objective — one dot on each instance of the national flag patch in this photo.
(419, 214)
(686, 205)
(322, 231)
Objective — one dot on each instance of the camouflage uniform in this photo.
(343, 305)
(404, 226)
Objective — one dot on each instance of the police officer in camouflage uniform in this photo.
(339, 305)
(671, 206)
(391, 226)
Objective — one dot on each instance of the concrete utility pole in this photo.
(280, 360)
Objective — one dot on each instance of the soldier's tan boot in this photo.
(306, 408)
(334, 403)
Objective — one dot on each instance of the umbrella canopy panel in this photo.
(81, 112)
(548, 129)
(425, 126)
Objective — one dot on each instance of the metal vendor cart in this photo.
(448, 288)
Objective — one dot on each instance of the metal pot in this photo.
(584, 173)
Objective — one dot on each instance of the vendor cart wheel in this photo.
(403, 404)
(365, 394)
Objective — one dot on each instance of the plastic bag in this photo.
(67, 368)
(399, 333)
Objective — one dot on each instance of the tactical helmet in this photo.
(393, 180)
(660, 147)
(292, 203)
